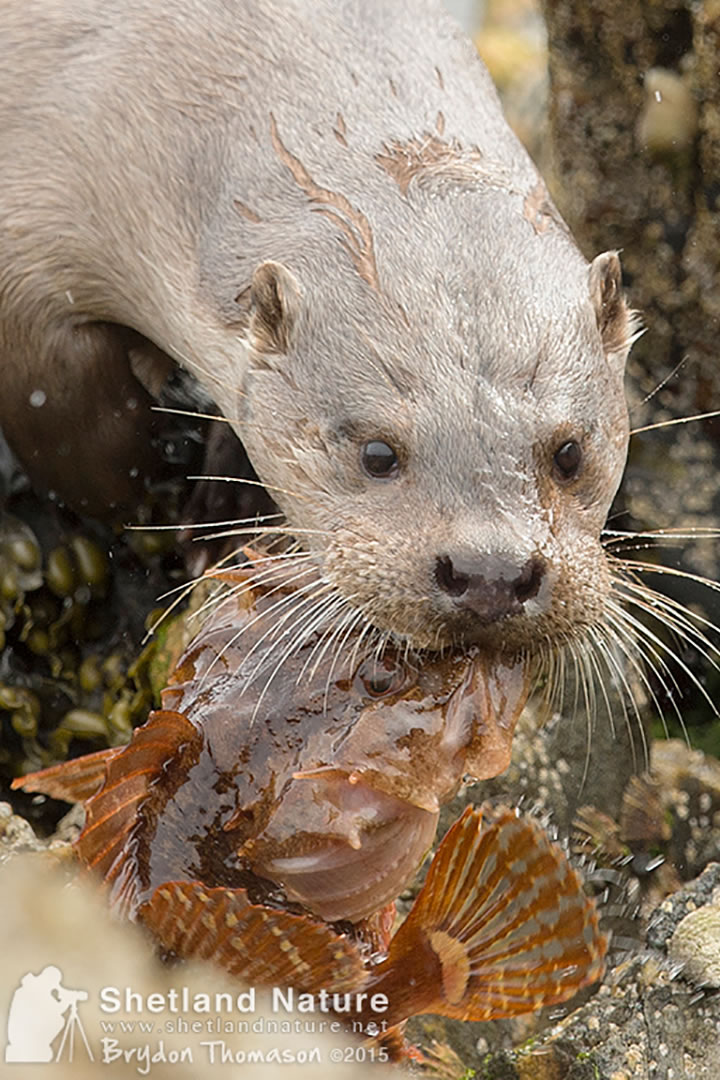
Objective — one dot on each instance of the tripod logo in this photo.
(42, 1008)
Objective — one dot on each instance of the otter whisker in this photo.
(663, 382)
(240, 588)
(588, 691)
(644, 640)
(323, 644)
(189, 412)
(671, 571)
(621, 552)
(565, 666)
(557, 693)
(296, 600)
(639, 652)
(622, 549)
(573, 647)
(305, 608)
(183, 591)
(326, 606)
(550, 670)
(352, 620)
(305, 633)
(642, 658)
(601, 645)
(553, 665)
(670, 613)
(252, 483)
(677, 420)
(225, 596)
(587, 683)
(438, 638)
(188, 586)
(384, 638)
(260, 569)
(406, 651)
(271, 530)
(592, 647)
(272, 569)
(367, 629)
(297, 603)
(680, 532)
(605, 643)
(188, 526)
(598, 648)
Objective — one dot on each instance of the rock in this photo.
(695, 946)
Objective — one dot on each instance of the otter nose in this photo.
(490, 586)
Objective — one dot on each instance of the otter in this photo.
(320, 213)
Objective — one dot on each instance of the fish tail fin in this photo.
(502, 926)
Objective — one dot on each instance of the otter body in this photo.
(319, 212)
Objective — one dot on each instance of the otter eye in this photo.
(379, 459)
(568, 460)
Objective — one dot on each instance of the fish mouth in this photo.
(348, 877)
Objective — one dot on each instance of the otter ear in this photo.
(615, 321)
(275, 304)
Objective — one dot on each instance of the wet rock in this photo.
(695, 946)
(46, 922)
(16, 834)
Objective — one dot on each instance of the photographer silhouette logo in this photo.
(42, 1008)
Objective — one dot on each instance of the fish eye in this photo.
(380, 678)
(379, 459)
(567, 460)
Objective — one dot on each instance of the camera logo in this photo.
(42, 1008)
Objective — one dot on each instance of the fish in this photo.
(268, 815)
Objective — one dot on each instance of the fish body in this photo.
(267, 817)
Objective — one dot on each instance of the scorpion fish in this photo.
(268, 822)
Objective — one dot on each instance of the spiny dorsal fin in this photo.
(72, 781)
(112, 812)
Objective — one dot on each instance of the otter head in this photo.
(446, 446)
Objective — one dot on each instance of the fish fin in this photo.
(375, 931)
(502, 926)
(256, 943)
(112, 812)
(72, 781)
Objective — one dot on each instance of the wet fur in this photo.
(326, 219)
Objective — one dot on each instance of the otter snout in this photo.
(489, 586)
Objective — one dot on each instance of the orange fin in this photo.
(72, 781)
(375, 932)
(256, 943)
(112, 812)
(502, 926)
